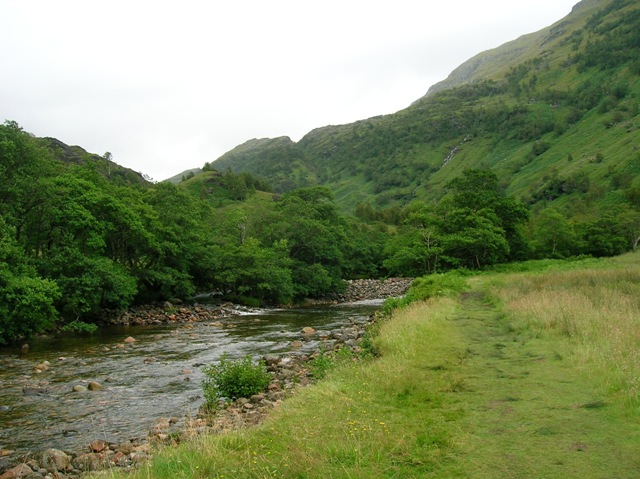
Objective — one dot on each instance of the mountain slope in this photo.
(280, 160)
(496, 62)
(104, 165)
(554, 114)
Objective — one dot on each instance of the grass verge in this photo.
(525, 375)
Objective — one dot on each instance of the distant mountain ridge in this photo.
(545, 112)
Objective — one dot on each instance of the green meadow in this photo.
(532, 372)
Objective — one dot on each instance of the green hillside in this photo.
(103, 165)
(554, 114)
(496, 62)
(280, 160)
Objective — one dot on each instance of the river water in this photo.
(157, 376)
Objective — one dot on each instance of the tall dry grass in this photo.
(597, 308)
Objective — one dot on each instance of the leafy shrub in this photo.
(321, 364)
(77, 326)
(233, 379)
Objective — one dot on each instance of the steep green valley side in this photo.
(554, 114)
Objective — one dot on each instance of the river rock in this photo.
(43, 366)
(95, 386)
(271, 359)
(19, 471)
(120, 459)
(308, 330)
(91, 461)
(55, 460)
(129, 340)
(98, 445)
(34, 391)
(78, 388)
(145, 448)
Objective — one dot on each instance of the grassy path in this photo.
(460, 391)
(530, 412)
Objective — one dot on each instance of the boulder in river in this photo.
(43, 366)
(95, 386)
(129, 340)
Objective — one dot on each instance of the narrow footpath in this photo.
(531, 411)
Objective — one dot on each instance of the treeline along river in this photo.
(137, 383)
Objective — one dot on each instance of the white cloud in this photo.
(166, 86)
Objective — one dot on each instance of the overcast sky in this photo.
(167, 86)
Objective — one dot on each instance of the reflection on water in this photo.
(157, 376)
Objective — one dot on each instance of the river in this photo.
(157, 376)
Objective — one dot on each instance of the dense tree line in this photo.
(477, 225)
(75, 246)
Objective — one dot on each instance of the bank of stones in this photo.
(288, 372)
(368, 289)
(170, 313)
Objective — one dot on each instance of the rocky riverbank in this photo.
(367, 289)
(168, 312)
(289, 372)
